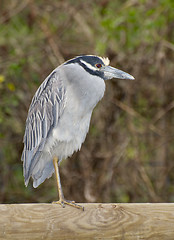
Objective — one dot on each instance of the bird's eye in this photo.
(98, 65)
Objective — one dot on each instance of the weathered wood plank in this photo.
(98, 221)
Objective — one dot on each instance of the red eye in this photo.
(98, 65)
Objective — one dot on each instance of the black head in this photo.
(99, 66)
(91, 63)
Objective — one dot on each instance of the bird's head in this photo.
(99, 66)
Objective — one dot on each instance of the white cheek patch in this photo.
(88, 65)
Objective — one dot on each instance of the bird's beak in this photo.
(111, 72)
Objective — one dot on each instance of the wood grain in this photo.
(98, 221)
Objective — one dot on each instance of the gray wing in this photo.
(44, 113)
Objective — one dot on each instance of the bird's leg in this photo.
(62, 200)
(59, 187)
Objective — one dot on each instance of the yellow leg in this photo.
(62, 200)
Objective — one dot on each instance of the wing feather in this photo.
(45, 110)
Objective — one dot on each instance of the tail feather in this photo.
(27, 158)
(41, 167)
(46, 173)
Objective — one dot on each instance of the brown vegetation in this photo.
(128, 155)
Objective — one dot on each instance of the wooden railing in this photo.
(98, 221)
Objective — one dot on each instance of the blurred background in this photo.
(128, 155)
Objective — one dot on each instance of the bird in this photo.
(59, 116)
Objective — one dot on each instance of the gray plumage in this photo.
(45, 110)
(60, 112)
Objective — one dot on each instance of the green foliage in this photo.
(135, 24)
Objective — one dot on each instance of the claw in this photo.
(70, 203)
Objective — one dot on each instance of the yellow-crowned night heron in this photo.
(59, 116)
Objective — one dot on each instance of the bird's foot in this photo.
(62, 202)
